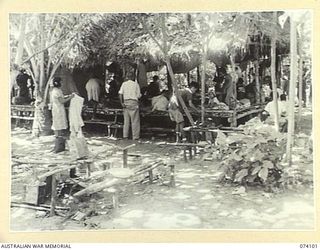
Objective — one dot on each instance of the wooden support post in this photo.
(125, 158)
(203, 79)
(195, 151)
(292, 87)
(300, 82)
(115, 132)
(177, 137)
(109, 130)
(300, 86)
(233, 122)
(172, 176)
(150, 176)
(273, 72)
(88, 166)
(190, 152)
(115, 200)
(185, 154)
(193, 137)
(53, 195)
(198, 74)
(258, 87)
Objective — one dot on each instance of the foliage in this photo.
(257, 157)
(300, 173)
(97, 38)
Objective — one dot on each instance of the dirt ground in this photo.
(198, 201)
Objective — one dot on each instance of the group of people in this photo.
(230, 87)
(130, 94)
(155, 94)
(59, 117)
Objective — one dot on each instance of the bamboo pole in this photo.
(300, 82)
(273, 73)
(203, 76)
(258, 89)
(293, 78)
(300, 90)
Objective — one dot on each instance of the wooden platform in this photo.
(111, 116)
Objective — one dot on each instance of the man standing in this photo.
(129, 94)
(24, 81)
(228, 88)
(175, 108)
(94, 89)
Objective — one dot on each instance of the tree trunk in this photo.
(293, 78)
(273, 75)
(42, 44)
(22, 29)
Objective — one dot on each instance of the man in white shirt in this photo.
(282, 111)
(94, 88)
(129, 94)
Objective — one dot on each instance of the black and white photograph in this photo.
(161, 121)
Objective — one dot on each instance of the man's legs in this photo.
(126, 123)
(135, 119)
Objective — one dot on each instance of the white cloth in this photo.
(130, 90)
(282, 108)
(160, 103)
(75, 119)
(59, 117)
(93, 89)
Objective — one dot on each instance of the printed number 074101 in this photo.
(308, 246)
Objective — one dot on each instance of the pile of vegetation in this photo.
(256, 156)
